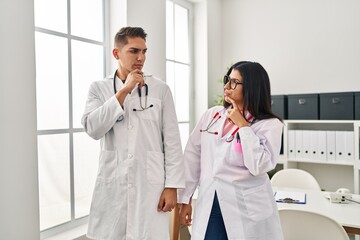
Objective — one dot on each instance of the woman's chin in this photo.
(226, 99)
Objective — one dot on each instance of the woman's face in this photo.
(233, 88)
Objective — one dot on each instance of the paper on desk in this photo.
(290, 197)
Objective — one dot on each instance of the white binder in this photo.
(306, 145)
(349, 146)
(298, 144)
(321, 145)
(291, 144)
(340, 140)
(330, 146)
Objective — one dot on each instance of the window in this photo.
(70, 54)
(178, 61)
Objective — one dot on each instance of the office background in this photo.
(306, 46)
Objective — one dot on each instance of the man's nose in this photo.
(141, 57)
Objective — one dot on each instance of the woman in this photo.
(228, 156)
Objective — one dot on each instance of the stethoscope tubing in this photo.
(139, 92)
(214, 119)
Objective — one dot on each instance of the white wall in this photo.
(150, 15)
(200, 75)
(19, 205)
(215, 51)
(306, 46)
(117, 20)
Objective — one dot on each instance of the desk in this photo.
(347, 214)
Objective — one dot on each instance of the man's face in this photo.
(131, 56)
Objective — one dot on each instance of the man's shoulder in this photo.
(156, 83)
(153, 80)
(100, 83)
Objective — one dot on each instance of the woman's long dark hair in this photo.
(255, 88)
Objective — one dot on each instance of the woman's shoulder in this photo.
(214, 110)
(270, 122)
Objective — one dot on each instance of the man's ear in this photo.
(115, 53)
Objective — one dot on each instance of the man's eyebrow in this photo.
(138, 49)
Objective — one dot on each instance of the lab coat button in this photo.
(130, 155)
(129, 185)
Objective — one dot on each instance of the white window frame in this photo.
(74, 222)
(188, 5)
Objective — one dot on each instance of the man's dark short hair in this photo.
(124, 33)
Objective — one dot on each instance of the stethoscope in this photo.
(142, 108)
(214, 119)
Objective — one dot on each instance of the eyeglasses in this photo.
(233, 82)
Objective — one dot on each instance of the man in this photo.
(140, 164)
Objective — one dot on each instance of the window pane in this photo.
(181, 34)
(54, 180)
(51, 15)
(51, 82)
(87, 19)
(182, 91)
(169, 30)
(87, 66)
(86, 154)
(184, 133)
(170, 76)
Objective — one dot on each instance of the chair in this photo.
(301, 225)
(295, 178)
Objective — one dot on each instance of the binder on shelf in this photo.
(321, 145)
(291, 144)
(349, 146)
(290, 197)
(298, 144)
(330, 145)
(306, 145)
(340, 138)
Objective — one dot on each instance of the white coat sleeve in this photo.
(261, 145)
(174, 166)
(100, 115)
(192, 162)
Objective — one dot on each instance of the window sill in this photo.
(70, 234)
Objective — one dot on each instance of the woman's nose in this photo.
(227, 85)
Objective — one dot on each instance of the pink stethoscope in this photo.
(215, 118)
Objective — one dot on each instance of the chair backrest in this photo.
(301, 225)
(295, 178)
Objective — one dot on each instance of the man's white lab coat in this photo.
(140, 156)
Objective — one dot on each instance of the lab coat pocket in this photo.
(107, 165)
(148, 111)
(258, 203)
(155, 171)
(235, 156)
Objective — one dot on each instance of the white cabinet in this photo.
(329, 150)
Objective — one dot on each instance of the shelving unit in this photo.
(330, 174)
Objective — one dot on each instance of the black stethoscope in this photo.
(139, 92)
(142, 108)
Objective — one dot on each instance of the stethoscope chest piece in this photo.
(230, 138)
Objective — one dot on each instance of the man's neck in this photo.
(122, 74)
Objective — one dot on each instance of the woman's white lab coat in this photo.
(243, 188)
(140, 156)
